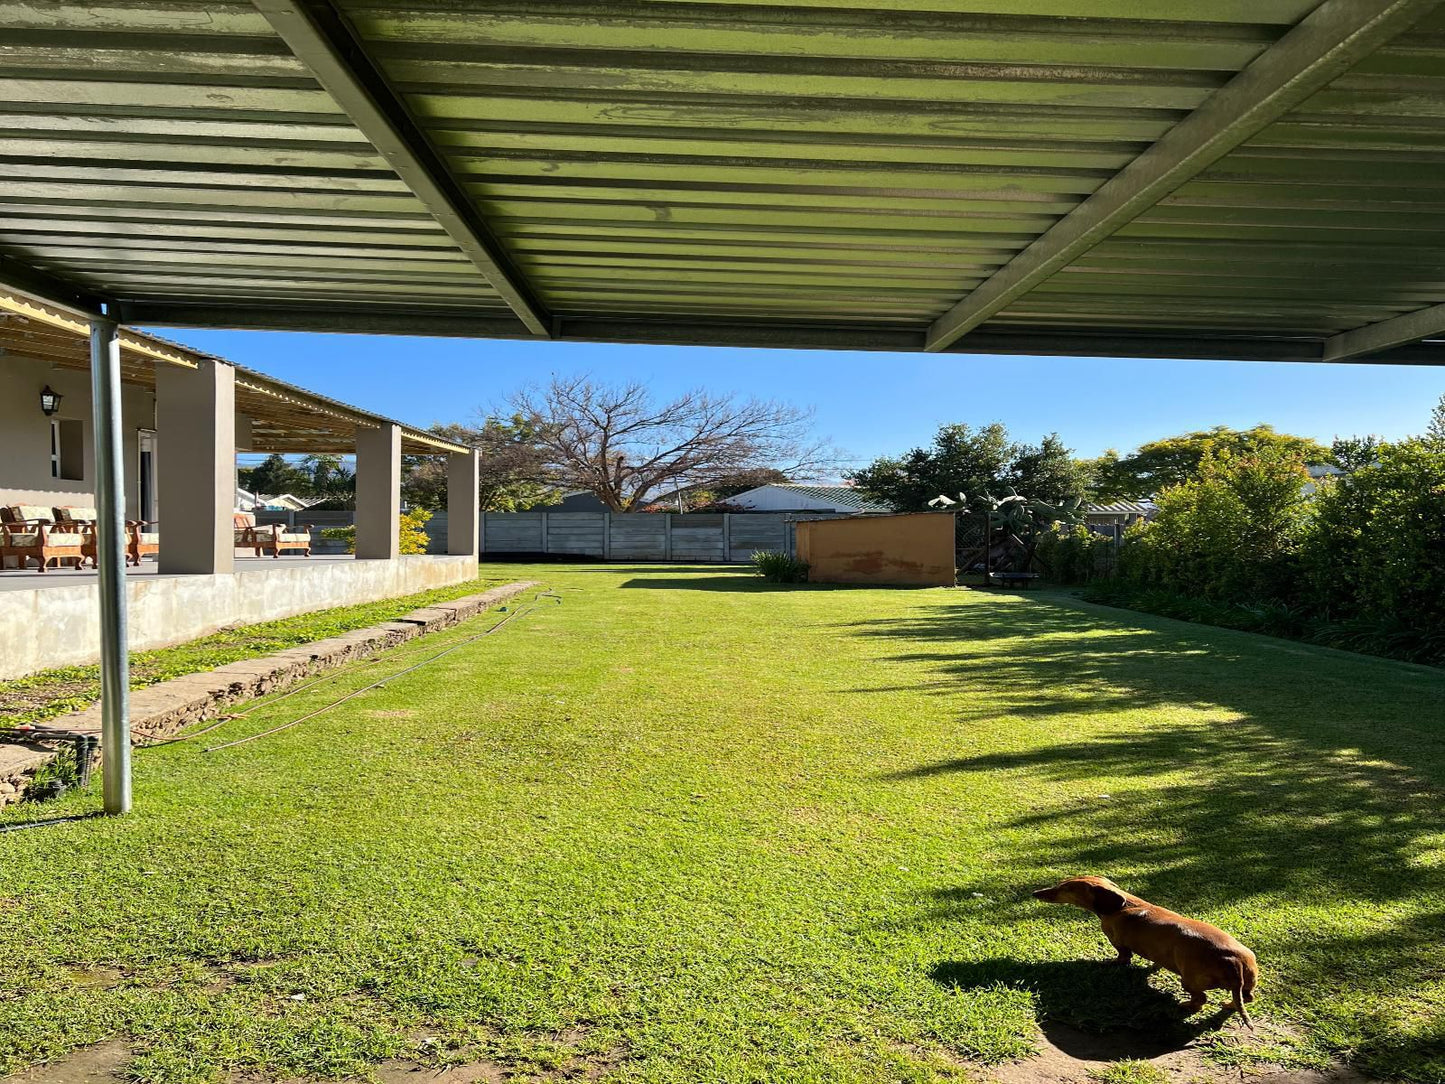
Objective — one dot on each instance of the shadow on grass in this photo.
(1122, 1014)
(1307, 777)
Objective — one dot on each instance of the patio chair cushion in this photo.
(243, 538)
(22, 512)
(298, 537)
(150, 538)
(54, 538)
(74, 514)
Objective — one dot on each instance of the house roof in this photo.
(1155, 178)
(848, 496)
(285, 417)
(1119, 508)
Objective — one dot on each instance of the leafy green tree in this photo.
(1230, 531)
(330, 480)
(1435, 434)
(1375, 551)
(1047, 471)
(1352, 453)
(962, 459)
(274, 476)
(512, 474)
(1174, 460)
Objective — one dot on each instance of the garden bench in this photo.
(270, 538)
(1012, 579)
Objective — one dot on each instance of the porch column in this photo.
(196, 479)
(378, 492)
(462, 504)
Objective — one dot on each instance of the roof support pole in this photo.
(110, 560)
(1325, 44)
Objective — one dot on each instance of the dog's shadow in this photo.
(1088, 1008)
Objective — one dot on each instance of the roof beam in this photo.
(1060, 341)
(1322, 46)
(21, 276)
(1372, 338)
(319, 36)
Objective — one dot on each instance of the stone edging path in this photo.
(163, 709)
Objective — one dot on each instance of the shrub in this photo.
(413, 532)
(1374, 558)
(777, 567)
(1073, 555)
(1360, 565)
(1229, 534)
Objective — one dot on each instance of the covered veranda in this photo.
(1250, 181)
(198, 571)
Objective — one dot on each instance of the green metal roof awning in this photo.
(1193, 178)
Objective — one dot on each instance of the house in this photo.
(183, 417)
(1114, 517)
(1318, 472)
(574, 500)
(797, 497)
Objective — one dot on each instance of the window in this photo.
(67, 450)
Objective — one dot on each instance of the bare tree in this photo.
(620, 444)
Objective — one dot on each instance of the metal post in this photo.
(110, 559)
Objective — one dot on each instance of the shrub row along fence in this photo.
(723, 538)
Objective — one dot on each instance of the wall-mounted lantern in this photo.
(50, 400)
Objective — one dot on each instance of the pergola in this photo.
(1235, 179)
(280, 417)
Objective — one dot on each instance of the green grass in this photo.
(37, 697)
(691, 826)
(1129, 1071)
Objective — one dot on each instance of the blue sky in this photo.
(868, 404)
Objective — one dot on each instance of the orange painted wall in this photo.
(909, 550)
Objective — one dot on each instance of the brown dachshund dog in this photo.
(1203, 956)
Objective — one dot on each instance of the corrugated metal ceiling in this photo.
(674, 170)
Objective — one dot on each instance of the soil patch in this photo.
(98, 1064)
(1068, 1056)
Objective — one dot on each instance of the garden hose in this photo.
(331, 677)
(86, 743)
(382, 681)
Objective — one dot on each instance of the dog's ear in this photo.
(1107, 901)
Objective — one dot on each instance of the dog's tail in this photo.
(1241, 991)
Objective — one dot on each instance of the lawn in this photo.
(685, 826)
(37, 697)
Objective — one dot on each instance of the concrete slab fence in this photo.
(722, 538)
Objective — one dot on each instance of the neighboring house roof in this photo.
(1119, 508)
(572, 500)
(847, 497)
